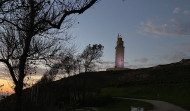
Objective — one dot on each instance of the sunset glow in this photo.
(7, 86)
(102, 55)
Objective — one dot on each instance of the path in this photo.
(87, 109)
(158, 105)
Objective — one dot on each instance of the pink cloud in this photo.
(176, 56)
(186, 12)
(142, 60)
(176, 10)
(173, 28)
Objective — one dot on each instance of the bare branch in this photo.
(3, 1)
(67, 13)
(10, 70)
(24, 21)
(91, 54)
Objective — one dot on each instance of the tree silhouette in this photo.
(90, 55)
(30, 20)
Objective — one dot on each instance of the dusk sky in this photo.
(154, 31)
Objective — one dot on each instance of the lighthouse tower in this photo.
(119, 53)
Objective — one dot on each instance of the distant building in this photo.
(119, 53)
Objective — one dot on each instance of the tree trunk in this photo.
(84, 89)
(22, 66)
(18, 90)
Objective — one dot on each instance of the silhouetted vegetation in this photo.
(91, 55)
(165, 82)
(27, 29)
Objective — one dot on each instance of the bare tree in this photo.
(65, 63)
(91, 55)
(68, 63)
(50, 75)
(2, 2)
(29, 20)
(79, 63)
(88, 58)
(11, 48)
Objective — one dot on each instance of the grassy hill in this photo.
(169, 82)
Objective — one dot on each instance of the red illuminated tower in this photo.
(119, 53)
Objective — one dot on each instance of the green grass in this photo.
(176, 94)
(124, 105)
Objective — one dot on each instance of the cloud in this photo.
(109, 64)
(176, 10)
(177, 56)
(173, 28)
(141, 60)
(186, 12)
(182, 51)
(3, 73)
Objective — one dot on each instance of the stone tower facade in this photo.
(119, 53)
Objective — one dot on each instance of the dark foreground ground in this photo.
(169, 83)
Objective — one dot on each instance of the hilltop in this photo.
(168, 82)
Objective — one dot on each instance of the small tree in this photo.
(79, 63)
(68, 63)
(50, 75)
(91, 55)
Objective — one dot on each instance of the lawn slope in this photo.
(169, 82)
